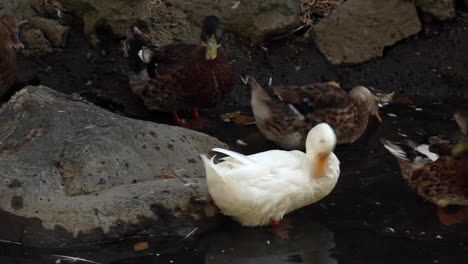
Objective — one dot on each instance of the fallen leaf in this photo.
(168, 176)
(238, 118)
(243, 119)
(229, 115)
(139, 246)
(404, 100)
(334, 84)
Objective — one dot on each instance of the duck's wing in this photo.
(172, 57)
(443, 180)
(310, 98)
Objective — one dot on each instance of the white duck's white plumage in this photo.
(263, 187)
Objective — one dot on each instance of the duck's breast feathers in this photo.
(209, 80)
(172, 57)
(314, 97)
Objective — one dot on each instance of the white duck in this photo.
(260, 189)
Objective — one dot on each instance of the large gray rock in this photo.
(71, 172)
(440, 9)
(359, 30)
(257, 20)
(43, 32)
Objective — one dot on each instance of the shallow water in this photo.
(372, 216)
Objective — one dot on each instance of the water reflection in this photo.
(372, 216)
(309, 242)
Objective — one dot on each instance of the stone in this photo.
(257, 20)
(117, 14)
(439, 9)
(35, 42)
(52, 29)
(359, 30)
(71, 172)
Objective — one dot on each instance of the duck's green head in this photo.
(211, 36)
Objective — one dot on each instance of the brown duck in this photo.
(437, 171)
(181, 76)
(286, 117)
(9, 41)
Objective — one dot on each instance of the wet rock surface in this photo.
(360, 30)
(73, 172)
(118, 15)
(440, 9)
(256, 20)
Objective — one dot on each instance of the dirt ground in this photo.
(432, 63)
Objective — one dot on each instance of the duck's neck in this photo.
(198, 57)
(362, 117)
(314, 166)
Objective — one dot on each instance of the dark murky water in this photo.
(372, 216)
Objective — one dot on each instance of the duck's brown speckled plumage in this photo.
(187, 81)
(7, 54)
(286, 118)
(182, 77)
(442, 179)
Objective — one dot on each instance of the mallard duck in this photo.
(287, 117)
(9, 41)
(437, 171)
(175, 77)
(260, 189)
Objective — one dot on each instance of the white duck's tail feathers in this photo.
(211, 168)
(236, 156)
(394, 149)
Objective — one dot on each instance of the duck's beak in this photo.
(211, 48)
(16, 41)
(321, 163)
(377, 115)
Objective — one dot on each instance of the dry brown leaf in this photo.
(404, 100)
(168, 176)
(334, 84)
(139, 246)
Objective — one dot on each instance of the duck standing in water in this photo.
(260, 189)
(287, 117)
(181, 76)
(437, 171)
(9, 40)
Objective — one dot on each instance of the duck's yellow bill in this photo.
(320, 165)
(377, 115)
(211, 49)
